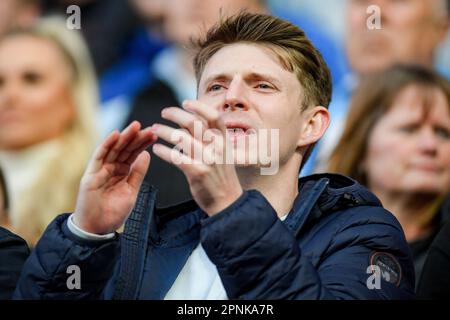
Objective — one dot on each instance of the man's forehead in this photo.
(244, 59)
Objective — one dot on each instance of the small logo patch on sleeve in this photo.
(390, 268)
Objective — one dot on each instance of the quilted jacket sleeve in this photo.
(257, 257)
(64, 266)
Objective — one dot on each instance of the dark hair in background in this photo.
(372, 100)
(4, 191)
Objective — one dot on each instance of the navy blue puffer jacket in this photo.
(336, 243)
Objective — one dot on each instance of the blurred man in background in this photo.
(105, 25)
(411, 32)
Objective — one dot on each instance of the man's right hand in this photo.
(111, 182)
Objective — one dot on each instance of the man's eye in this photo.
(215, 87)
(263, 86)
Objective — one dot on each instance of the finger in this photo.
(185, 119)
(169, 134)
(211, 115)
(144, 137)
(138, 151)
(101, 151)
(125, 138)
(109, 174)
(179, 137)
(172, 155)
(138, 170)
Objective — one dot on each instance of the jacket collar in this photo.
(176, 226)
(134, 242)
(322, 194)
(319, 194)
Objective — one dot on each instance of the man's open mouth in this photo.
(237, 130)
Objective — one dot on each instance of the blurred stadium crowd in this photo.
(63, 90)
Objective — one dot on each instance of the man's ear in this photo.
(315, 123)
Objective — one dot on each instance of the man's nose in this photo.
(236, 96)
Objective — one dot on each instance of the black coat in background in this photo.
(13, 253)
(171, 183)
(420, 248)
(435, 280)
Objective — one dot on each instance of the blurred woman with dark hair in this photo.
(397, 142)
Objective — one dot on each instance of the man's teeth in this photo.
(236, 130)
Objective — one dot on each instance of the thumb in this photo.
(138, 170)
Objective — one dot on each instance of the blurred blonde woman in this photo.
(48, 101)
(397, 142)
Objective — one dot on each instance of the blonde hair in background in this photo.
(56, 189)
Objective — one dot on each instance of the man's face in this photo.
(252, 91)
(410, 32)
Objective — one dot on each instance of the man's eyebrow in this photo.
(216, 77)
(252, 75)
(262, 76)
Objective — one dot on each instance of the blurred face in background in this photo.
(17, 13)
(35, 96)
(410, 32)
(408, 149)
(188, 18)
(151, 10)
